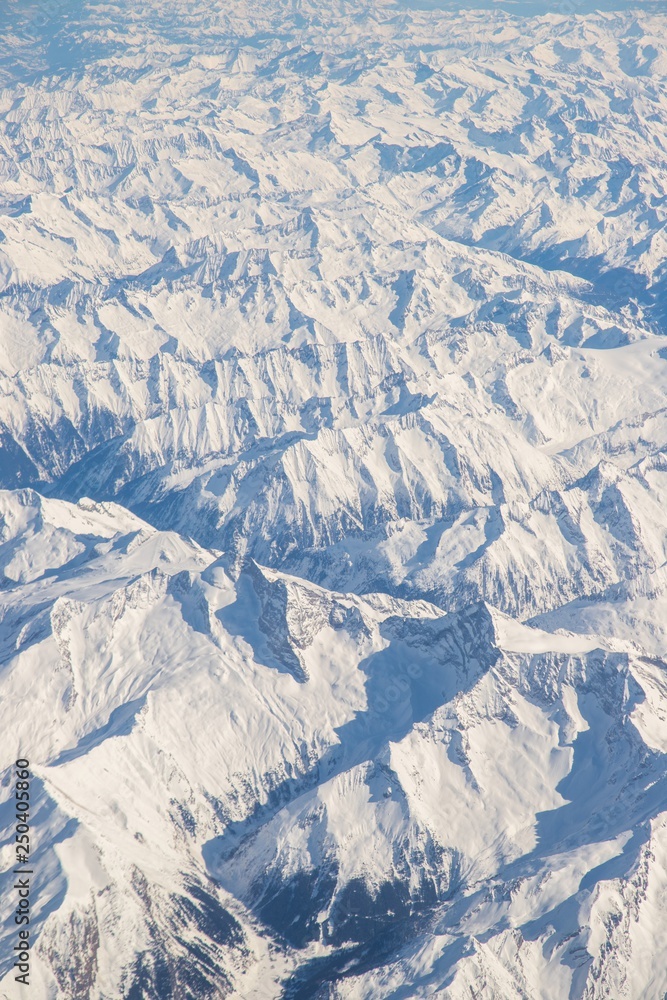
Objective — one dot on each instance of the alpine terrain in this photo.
(333, 508)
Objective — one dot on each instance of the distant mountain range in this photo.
(333, 468)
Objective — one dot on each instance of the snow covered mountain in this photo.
(333, 478)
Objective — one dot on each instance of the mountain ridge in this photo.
(332, 545)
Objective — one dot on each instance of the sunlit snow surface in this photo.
(333, 447)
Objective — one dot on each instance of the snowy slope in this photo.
(333, 456)
(325, 759)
